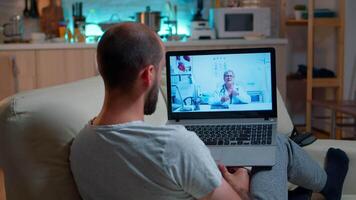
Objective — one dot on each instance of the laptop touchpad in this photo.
(216, 153)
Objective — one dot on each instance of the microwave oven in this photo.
(239, 22)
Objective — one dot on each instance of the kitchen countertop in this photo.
(225, 42)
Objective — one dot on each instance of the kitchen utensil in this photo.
(77, 9)
(198, 15)
(79, 31)
(79, 22)
(172, 23)
(78, 17)
(150, 18)
(80, 9)
(15, 28)
(44, 3)
(33, 9)
(26, 11)
(50, 19)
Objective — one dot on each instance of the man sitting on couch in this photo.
(119, 156)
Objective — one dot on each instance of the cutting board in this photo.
(44, 3)
(50, 17)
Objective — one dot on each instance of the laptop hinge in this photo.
(266, 118)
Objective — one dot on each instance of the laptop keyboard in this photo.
(255, 134)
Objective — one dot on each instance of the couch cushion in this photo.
(36, 130)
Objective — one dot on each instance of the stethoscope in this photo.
(222, 93)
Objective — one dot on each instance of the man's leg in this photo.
(293, 164)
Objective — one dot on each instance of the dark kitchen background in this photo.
(97, 11)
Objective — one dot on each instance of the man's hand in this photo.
(239, 180)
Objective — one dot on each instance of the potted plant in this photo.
(298, 11)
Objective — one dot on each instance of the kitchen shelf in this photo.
(320, 82)
(311, 25)
(325, 82)
(333, 22)
(294, 22)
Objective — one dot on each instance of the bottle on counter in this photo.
(78, 22)
(62, 29)
(68, 33)
(79, 32)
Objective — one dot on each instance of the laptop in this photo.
(228, 98)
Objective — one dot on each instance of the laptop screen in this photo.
(205, 84)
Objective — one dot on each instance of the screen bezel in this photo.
(217, 115)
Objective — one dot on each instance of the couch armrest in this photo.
(318, 151)
(285, 124)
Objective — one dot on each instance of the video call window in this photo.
(223, 82)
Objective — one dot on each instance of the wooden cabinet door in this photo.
(25, 68)
(50, 68)
(79, 64)
(7, 77)
(65, 65)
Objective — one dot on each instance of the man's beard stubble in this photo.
(151, 100)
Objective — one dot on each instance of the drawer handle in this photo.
(15, 73)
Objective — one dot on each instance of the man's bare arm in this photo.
(234, 185)
(223, 192)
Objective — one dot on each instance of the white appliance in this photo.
(239, 22)
(201, 31)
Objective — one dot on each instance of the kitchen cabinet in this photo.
(56, 67)
(50, 70)
(8, 84)
(38, 68)
(25, 66)
(79, 64)
(49, 64)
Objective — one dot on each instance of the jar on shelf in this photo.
(228, 3)
(250, 3)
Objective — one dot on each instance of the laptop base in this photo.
(236, 156)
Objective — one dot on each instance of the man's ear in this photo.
(147, 75)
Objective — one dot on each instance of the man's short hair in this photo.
(124, 50)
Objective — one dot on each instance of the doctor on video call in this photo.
(229, 93)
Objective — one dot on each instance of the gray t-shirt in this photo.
(139, 161)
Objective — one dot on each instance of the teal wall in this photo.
(101, 10)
